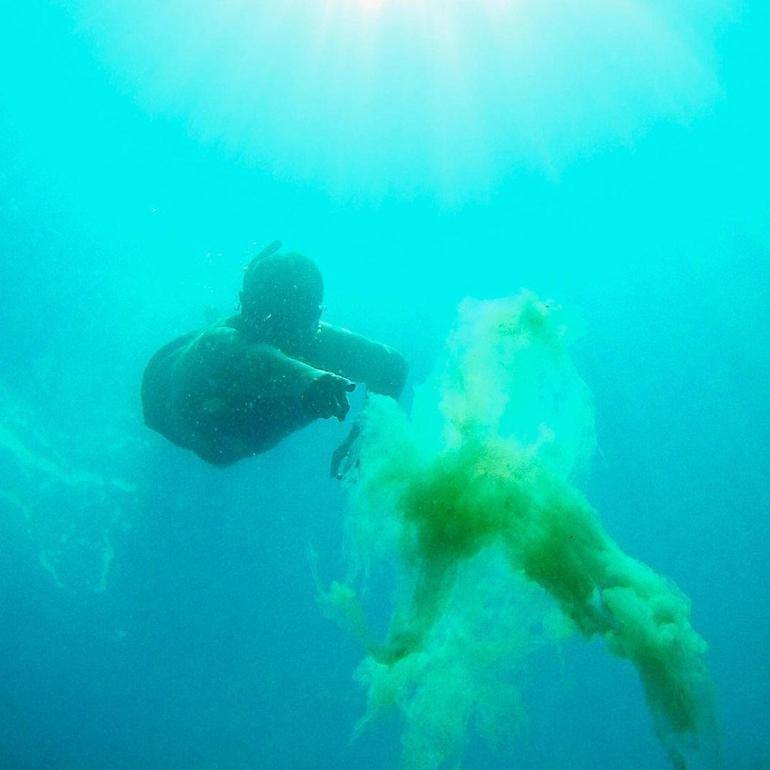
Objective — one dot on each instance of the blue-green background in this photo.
(132, 191)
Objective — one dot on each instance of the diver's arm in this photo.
(269, 373)
(357, 358)
(244, 372)
(274, 375)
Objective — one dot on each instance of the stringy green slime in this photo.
(485, 463)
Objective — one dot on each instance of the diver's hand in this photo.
(345, 456)
(326, 396)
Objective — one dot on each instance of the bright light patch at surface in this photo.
(367, 96)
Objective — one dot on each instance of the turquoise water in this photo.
(611, 156)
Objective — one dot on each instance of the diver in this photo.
(239, 386)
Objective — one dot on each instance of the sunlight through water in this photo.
(372, 96)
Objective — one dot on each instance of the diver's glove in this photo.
(327, 396)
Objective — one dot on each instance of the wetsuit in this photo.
(225, 395)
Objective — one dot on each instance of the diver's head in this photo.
(281, 298)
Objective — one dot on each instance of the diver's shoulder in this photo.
(214, 338)
(217, 336)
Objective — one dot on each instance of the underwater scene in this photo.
(385, 385)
